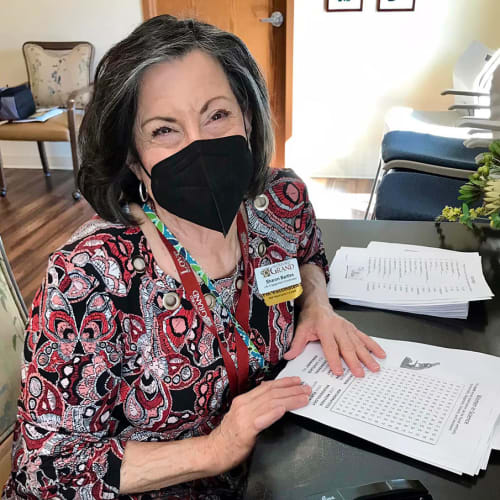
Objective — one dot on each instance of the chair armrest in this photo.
(482, 140)
(477, 131)
(468, 106)
(480, 123)
(72, 97)
(466, 93)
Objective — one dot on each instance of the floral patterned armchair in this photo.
(59, 74)
(13, 316)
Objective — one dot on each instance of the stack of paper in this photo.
(436, 405)
(408, 278)
(41, 115)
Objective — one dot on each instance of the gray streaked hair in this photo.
(106, 135)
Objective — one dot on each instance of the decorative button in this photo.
(239, 283)
(139, 264)
(210, 300)
(261, 202)
(171, 301)
(261, 249)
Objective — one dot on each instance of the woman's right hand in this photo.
(252, 412)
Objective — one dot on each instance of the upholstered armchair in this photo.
(13, 317)
(59, 74)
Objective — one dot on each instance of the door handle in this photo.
(276, 19)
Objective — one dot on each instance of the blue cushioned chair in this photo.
(446, 158)
(429, 153)
(406, 195)
(406, 151)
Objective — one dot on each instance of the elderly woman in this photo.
(149, 340)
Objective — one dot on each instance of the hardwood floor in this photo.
(38, 215)
(5, 460)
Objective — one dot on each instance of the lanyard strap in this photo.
(242, 235)
(187, 267)
(237, 378)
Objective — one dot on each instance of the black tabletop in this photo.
(297, 457)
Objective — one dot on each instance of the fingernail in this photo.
(307, 389)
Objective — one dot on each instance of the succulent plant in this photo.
(484, 187)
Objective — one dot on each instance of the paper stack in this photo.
(408, 278)
(436, 405)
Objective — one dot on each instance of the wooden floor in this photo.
(38, 215)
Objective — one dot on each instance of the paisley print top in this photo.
(106, 360)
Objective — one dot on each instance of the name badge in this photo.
(279, 282)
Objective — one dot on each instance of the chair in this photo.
(59, 74)
(484, 130)
(13, 317)
(471, 82)
(442, 156)
(406, 195)
(404, 151)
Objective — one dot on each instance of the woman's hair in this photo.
(106, 137)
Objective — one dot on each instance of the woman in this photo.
(149, 339)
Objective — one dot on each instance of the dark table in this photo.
(297, 457)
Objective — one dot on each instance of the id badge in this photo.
(279, 282)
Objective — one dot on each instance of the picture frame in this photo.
(396, 5)
(344, 5)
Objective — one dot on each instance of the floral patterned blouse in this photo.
(114, 352)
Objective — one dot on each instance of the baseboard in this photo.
(330, 176)
(33, 162)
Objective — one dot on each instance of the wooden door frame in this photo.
(289, 69)
(149, 10)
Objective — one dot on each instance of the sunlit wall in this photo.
(351, 67)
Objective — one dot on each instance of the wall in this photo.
(351, 67)
(102, 22)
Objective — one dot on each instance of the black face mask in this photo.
(205, 182)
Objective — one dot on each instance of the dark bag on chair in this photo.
(16, 103)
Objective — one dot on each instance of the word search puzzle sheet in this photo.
(429, 403)
(406, 403)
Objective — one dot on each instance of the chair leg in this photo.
(374, 188)
(3, 184)
(43, 158)
(74, 151)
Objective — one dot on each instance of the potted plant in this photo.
(482, 190)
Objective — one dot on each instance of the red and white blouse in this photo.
(115, 352)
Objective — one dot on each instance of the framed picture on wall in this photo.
(395, 5)
(344, 5)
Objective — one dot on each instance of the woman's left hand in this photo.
(338, 337)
